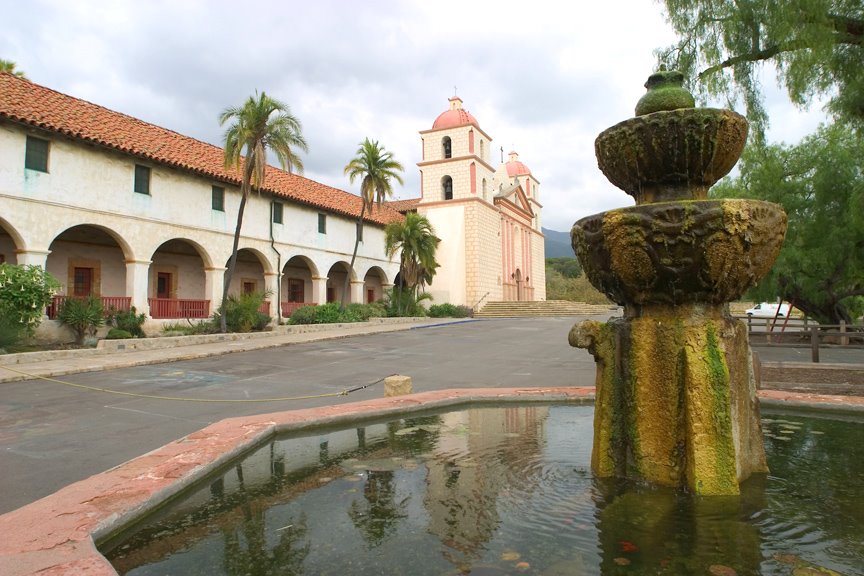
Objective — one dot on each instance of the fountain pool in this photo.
(505, 490)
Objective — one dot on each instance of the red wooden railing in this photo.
(288, 308)
(170, 308)
(117, 303)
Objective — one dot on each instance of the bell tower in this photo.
(455, 162)
(491, 246)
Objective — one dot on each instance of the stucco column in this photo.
(32, 258)
(357, 292)
(271, 285)
(214, 280)
(319, 289)
(138, 283)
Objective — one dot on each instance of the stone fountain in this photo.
(676, 394)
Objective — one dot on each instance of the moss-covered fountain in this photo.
(676, 395)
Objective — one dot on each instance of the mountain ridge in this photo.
(557, 244)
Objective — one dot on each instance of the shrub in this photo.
(191, 328)
(574, 289)
(445, 310)
(241, 312)
(362, 312)
(303, 315)
(464, 312)
(118, 334)
(82, 315)
(568, 267)
(448, 310)
(10, 332)
(128, 321)
(377, 309)
(403, 302)
(331, 313)
(25, 291)
(328, 313)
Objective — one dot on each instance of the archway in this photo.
(297, 284)
(249, 275)
(519, 287)
(10, 243)
(447, 187)
(336, 282)
(89, 260)
(373, 285)
(177, 281)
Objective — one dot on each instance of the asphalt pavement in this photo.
(59, 429)
(53, 433)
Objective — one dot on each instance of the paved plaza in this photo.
(53, 433)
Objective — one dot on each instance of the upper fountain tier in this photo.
(670, 150)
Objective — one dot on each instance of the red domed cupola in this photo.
(455, 116)
(515, 167)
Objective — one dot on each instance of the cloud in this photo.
(542, 77)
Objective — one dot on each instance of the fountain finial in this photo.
(665, 92)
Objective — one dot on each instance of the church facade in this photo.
(488, 218)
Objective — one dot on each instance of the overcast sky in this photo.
(541, 77)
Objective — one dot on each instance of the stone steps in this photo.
(503, 309)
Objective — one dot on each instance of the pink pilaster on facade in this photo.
(512, 248)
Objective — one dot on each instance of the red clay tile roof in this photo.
(27, 103)
(404, 206)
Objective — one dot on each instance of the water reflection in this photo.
(506, 491)
(660, 531)
(471, 467)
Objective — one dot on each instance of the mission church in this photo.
(139, 215)
(488, 219)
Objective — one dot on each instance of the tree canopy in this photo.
(12, 68)
(260, 124)
(415, 241)
(376, 168)
(816, 46)
(820, 184)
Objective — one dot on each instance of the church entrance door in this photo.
(519, 295)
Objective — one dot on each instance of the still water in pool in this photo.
(506, 490)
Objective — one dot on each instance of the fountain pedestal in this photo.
(675, 400)
(676, 394)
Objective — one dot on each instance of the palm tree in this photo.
(415, 239)
(260, 124)
(376, 167)
(9, 66)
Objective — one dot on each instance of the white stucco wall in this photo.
(449, 282)
(90, 186)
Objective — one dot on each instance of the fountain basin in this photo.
(496, 490)
(55, 534)
(671, 154)
(672, 253)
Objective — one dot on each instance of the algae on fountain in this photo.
(676, 393)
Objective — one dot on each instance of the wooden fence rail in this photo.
(800, 331)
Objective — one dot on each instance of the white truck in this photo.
(768, 310)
